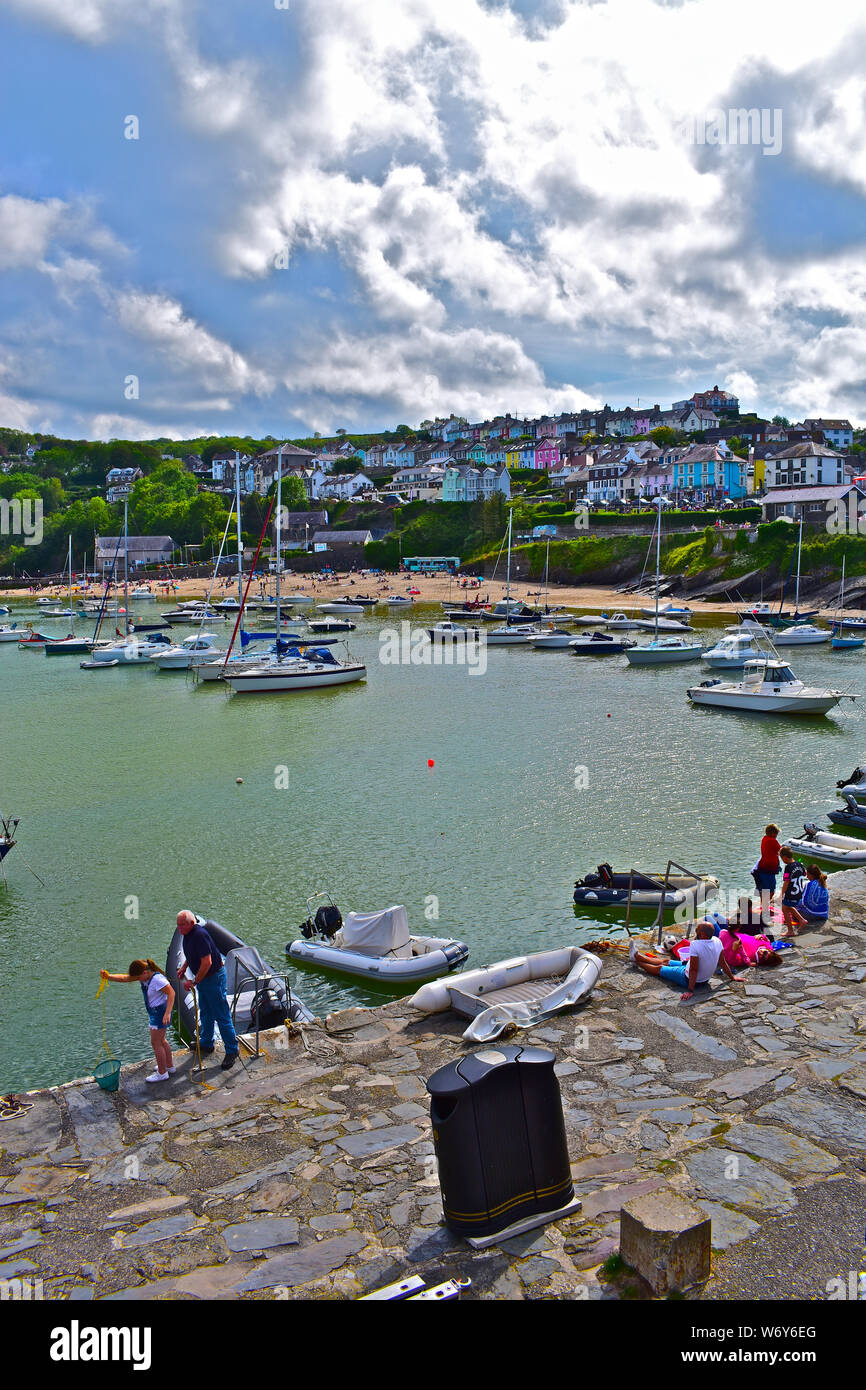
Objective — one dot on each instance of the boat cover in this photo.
(383, 933)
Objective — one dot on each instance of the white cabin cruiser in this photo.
(193, 651)
(551, 638)
(518, 635)
(341, 605)
(454, 632)
(801, 635)
(300, 669)
(620, 622)
(374, 946)
(669, 610)
(514, 993)
(767, 687)
(733, 650)
(131, 650)
(844, 851)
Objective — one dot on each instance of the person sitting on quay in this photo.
(815, 902)
(158, 1001)
(705, 956)
(209, 978)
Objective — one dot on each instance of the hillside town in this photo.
(701, 452)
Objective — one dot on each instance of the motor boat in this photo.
(257, 996)
(141, 592)
(399, 601)
(852, 624)
(801, 635)
(518, 635)
(11, 632)
(664, 651)
(341, 605)
(318, 625)
(551, 638)
(606, 888)
(669, 610)
(8, 826)
(68, 646)
(34, 641)
(510, 610)
(855, 816)
(855, 785)
(453, 632)
(58, 613)
(600, 644)
(299, 600)
(769, 687)
(842, 851)
(195, 616)
(734, 649)
(590, 619)
(620, 622)
(192, 651)
(132, 650)
(374, 946)
(228, 605)
(520, 992)
(306, 668)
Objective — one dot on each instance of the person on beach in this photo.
(158, 1001)
(767, 867)
(815, 902)
(209, 978)
(793, 885)
(705, 956)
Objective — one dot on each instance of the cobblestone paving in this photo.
(310, 1173)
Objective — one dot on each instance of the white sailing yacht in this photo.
(662, 650)
(290, 670)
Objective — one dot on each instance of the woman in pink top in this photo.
(740, 949)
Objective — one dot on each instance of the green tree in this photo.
(664, 436)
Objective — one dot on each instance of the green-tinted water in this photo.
(125, 784)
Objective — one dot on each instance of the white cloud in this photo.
(161, 321)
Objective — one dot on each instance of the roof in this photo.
(342, 537)
(134, 543)
(802, 451)
(809, 494)
(829, 424)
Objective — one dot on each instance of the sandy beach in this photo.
(435, 588)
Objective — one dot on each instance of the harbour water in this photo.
(126, 785)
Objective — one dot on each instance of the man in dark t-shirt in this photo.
(205, 963)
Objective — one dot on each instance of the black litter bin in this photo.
(499, 1135)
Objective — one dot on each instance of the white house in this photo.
(805, 465)
(344, 486)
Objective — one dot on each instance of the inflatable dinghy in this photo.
(514, 993)
(375, 946)
(841, 850)
(605, 888)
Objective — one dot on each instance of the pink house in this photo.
(547, 452)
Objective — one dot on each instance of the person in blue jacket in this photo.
(815, 902)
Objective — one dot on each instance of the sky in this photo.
(281, 216)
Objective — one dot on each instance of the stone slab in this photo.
(94, 1119)
(300, 1266)
(740, 1083)
(729, 1227)
(700, 1042)
(823, 1115)
(737, 1179)
(152, 1231)
(373, 1141)
(262, 1233)
(788, 1150)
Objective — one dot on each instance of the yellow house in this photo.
(759, 478)
(513, 456)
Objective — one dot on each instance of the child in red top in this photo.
(767, 867)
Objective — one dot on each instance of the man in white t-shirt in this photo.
(705, 956)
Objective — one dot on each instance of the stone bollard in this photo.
(666, 1239)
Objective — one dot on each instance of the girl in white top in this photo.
(158, 1001)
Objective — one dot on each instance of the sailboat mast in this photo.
(799, 555)
(126, 561)
(279, 537)
(508, 565)
(658, 562)
(240, 541)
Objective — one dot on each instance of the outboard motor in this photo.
(267, 1009)
(328, 920)
(605, 873)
